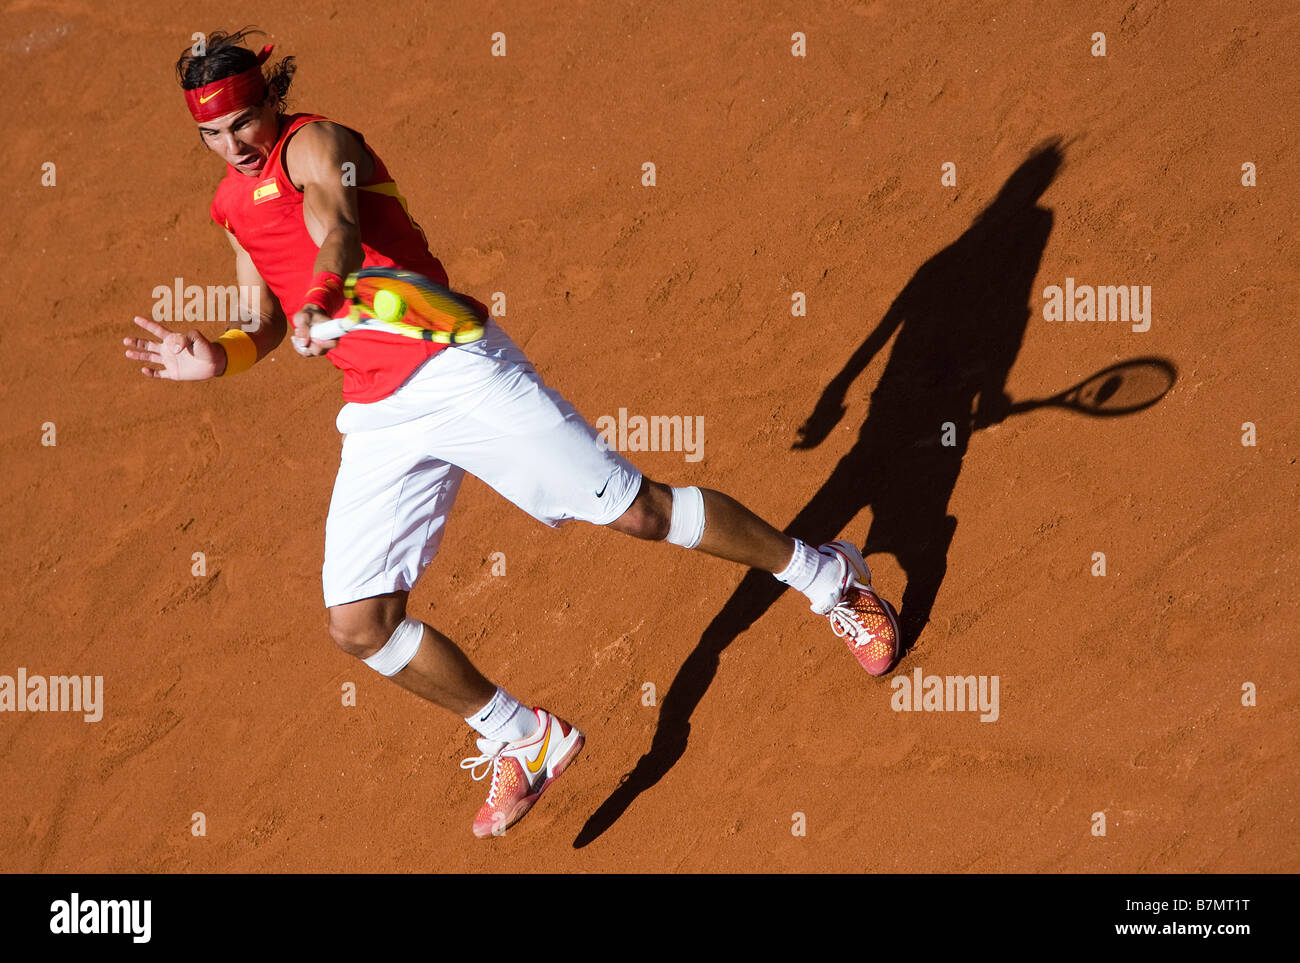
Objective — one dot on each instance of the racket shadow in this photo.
(956, 329)
(1122, 389)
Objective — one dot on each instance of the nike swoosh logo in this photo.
(601, 493)
(536, 764)
(204, 100)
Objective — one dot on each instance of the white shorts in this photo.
(479, 408)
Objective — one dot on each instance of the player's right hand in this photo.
(303, 342)
(184, 357)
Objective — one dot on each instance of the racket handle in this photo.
(329, 330)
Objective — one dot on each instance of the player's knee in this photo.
(645, 521)
(650, 515)
(360, 632)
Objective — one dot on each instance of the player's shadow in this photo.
(959, 324)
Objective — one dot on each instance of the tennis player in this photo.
(304, 203)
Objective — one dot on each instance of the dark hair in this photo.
(226, 57)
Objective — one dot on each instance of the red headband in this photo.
(229, 94)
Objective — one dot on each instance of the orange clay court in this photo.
(727, 729)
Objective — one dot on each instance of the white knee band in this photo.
(400, 648)
(686, 527)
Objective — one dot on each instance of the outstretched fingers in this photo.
(153, 327)
(144, 350)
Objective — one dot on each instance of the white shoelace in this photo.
(844, 621)
(485, 760)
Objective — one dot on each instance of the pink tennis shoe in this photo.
(521, 771)
(861, 617)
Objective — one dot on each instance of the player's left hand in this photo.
(187, 356)
(308, 315)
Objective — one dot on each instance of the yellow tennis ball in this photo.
(389, 306)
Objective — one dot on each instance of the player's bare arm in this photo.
(260, 313)
(317, 159)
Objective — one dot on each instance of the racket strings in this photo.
(426, 310)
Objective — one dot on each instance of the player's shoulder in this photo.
(322, 145)
(320, 134)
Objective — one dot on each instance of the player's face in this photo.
(244, 138)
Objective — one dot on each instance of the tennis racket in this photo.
(405, 303)
(1120, 389)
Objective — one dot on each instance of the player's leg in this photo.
(437, 671)
(387, 517)
(733, 531)
(716, 524)
(524, 748)
(834, 577)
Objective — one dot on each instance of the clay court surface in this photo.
(1119, 693)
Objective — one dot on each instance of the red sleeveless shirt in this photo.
(264, 213)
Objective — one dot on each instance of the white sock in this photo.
(815, 574)
(504, 719)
